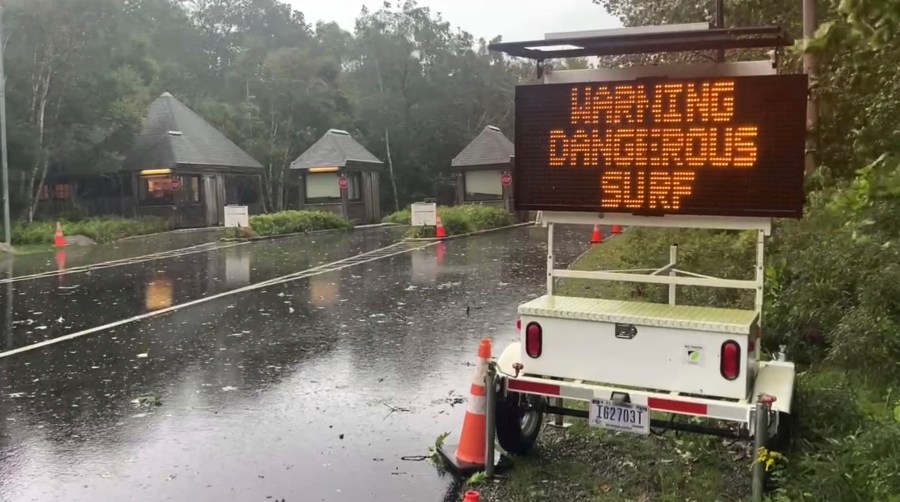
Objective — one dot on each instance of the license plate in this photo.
(623, 417)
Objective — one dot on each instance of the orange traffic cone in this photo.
(59, 240)
(472, 496)
(439, 232)
(597, 236)
(616, 229)
(469, 455)
(471, 441)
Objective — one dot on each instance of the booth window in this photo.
(483, 185)
(192, 185)
(353, 189)
(160, 190)
(156, 191)
(322, 187)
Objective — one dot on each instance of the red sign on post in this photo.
(506, 179)
(343, 182)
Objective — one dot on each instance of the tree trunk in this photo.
(41, 163)
(39, 97)
(387, 144)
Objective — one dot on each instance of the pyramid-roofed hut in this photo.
(338, 174)
(184, 169)
(481, 166)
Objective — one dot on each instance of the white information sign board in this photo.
(237, 216)
(423, 214)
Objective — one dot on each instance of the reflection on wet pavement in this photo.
(91, 299)
(286, 392)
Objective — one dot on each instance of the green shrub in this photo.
(290, 222)
(401, 217)
(466, 219)
(101, 230)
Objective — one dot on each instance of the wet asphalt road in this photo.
(49, 307)
(311, 390)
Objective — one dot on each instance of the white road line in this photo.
(321, 269)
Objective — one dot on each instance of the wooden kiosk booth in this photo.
(338, 174)
(183, 169)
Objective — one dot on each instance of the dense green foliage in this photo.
(409, 86)
(401, 217)
(99, 229)
(458, 220)
(291, 222)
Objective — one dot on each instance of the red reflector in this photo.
(534, 343)
(730, 364)
(519, 324)
(533, 387)
(751, 346)
(656, 403)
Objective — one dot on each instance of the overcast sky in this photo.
(513, 19)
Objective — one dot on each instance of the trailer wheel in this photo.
(519, 418)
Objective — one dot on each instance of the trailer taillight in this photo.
(730, 363)
(534, 343)
(518, 325)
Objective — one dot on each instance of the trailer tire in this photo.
(519, 418)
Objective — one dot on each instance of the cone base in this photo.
(448, 455)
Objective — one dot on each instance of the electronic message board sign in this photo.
(729, 146)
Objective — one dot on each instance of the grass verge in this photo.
(292, 222)
(584, 463)
(457, 220)
(101, 230)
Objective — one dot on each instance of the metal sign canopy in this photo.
(642, 40)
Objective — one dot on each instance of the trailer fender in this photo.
(776, 378)
(511, 355)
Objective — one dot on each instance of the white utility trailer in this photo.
(634, 362)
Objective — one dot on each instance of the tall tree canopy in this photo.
(410, 86)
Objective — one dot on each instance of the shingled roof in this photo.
(489, 148)
(172, 135)
(336, 149)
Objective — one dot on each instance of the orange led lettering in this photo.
(721, 101)
(681, 186)
(666, 103)
(634, 198)
(640, 147)
(695, 146)
(672, 147)
(745, 146)
(720, 145)
(624, 152)
(558, 147)
(581, 109)
(602, 106)
(655, 136)
(581, 146)
(696, 102)
(655, 154)
(659, 190)
(630, 104)
(612, 190)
